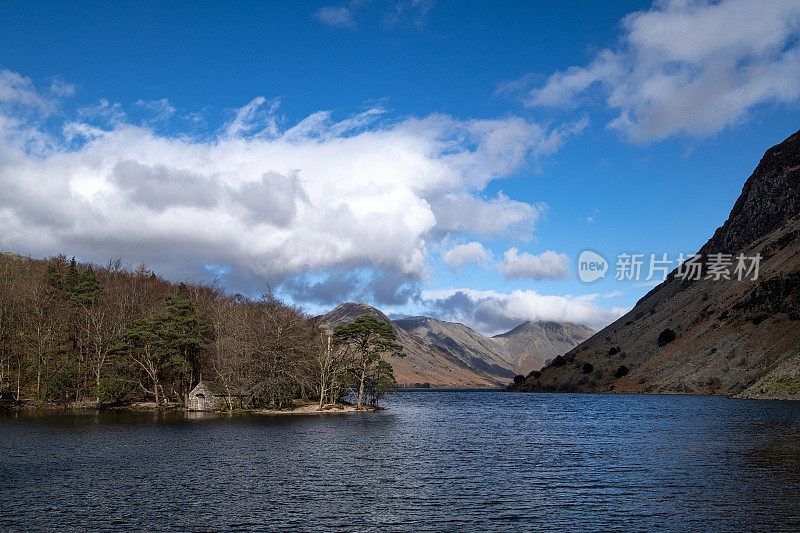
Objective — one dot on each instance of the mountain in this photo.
(424, 362)
(705, 336)
(463, 343)
(531, 344)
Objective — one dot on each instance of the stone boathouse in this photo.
(206, 396)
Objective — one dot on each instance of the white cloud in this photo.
(547, 265)
(18, 90)
(690, 67)
(466, 254)
(463, 211)
(160, 109)
(336, 16)
(270, 203)
(492, 312)
(103, 110)
(344, 15)
(60, 88)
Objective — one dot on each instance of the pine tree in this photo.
(88, 288)
(171, 340)
(371, 338)
(71, 279)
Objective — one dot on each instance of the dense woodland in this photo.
(74, 333)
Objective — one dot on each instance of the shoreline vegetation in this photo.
(298, 408)
(83, 335)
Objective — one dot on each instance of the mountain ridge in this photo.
(533, 342)
(730, 337)
(452, 354)
(423, 362)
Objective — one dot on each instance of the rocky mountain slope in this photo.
(424, 362)
(449, 354)
(730, 337)
(463, 343)
(531, 344)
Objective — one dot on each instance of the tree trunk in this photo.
(360, 401)
(155, 392)
(19, 376)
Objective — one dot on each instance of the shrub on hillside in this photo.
(621, 371)
(588, 368)
(666, 337)
(519, 378)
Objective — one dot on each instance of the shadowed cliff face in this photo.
(732, 337)
(770, 197)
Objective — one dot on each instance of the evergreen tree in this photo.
(371, 339)
(184, 331)
(71, 279)
(88, 288)
(170, 341)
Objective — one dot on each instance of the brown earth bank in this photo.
(739, 338)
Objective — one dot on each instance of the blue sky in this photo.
(447, 158)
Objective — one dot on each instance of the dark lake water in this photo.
(438, 460)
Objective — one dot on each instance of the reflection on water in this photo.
(438, 460)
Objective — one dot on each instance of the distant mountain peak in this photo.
(436, 346)
(347, 312)
(424, 362)
(545, 325)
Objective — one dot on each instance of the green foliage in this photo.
(182, 329)
(370, 339)
(621, 371)
(587, 368)
(70, 283)
(80, 287)
(88, 288)
(72, 332)
(666, 337)
(169, 340)
(371, 335)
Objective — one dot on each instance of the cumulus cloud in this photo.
(492, 216)
(546, 265)
(689, 67)
(466, 254)
(270, 204)
(492, 312)
(383, 288)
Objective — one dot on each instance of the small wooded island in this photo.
(81, 336)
